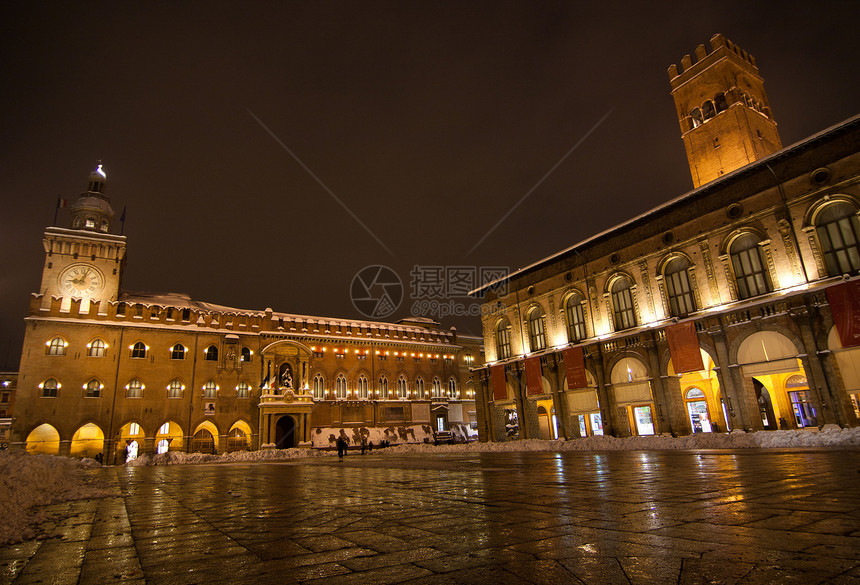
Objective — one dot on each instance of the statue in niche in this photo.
(286, 377)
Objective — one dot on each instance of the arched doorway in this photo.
(88, 441)
(239, 437)
(632, 388)
(43, 440)
(770, 360)
(765, 406)
(285, 433)
(703, 401)
(203, 442)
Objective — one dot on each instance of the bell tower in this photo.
(725, 117)
(84, 263)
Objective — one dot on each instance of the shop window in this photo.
(643, 420)
(575, 317)
(134, 389)
(697, 410)
(96, 348)
(838, 230)
(537, 334)
(678, 289)
(750, 273)
(804, 411)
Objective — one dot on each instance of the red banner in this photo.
(844, 302)
(684, 347)
(497, 377)
(533, 376)
(574, 367)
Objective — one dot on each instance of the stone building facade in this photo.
(121, 373)
(726, 308)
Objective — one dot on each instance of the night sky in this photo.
(428, 120)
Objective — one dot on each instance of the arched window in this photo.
(134, 389)
(750, 272)
(177, 352)
(708, 110)
(838, 230)
(49, 388)
(622, 304)
(402, 388)
(96, 348)
(245, 355)
(383, 387)
(537, 334)
(419, 389)
(696, 117)
(93, 389)
(319, 387)
(138, 350)
(575, 317)
(452, 388)
(362, 387)
(503, 339)
(57, 346)
(720, 103)
(211, 354)
(340, 387)
(243, 390)
(174, 389)
(210, 389)
(678, 289)
(436, 391)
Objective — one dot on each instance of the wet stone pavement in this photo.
(614, 517)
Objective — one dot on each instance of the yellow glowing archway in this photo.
(43, 440)
(88, 441)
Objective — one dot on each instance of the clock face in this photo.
(81, 280)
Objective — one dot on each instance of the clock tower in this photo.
(84, 262)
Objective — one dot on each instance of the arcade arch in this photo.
(43, 440)
(88, 441)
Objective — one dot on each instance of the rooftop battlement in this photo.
(720, 46)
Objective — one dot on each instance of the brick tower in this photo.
(725, 118)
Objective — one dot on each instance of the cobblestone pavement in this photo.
(612, 517)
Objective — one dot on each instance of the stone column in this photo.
(661, 402)
(731, 383)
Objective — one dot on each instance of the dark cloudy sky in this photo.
(427, 119)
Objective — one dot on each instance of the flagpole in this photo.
(57, 209)
(122, 221)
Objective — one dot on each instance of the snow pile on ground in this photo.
(830, 436)
(29, 481)
(178, 458)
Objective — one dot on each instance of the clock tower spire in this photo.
(84, 263)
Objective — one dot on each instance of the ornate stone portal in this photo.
(286, 402)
